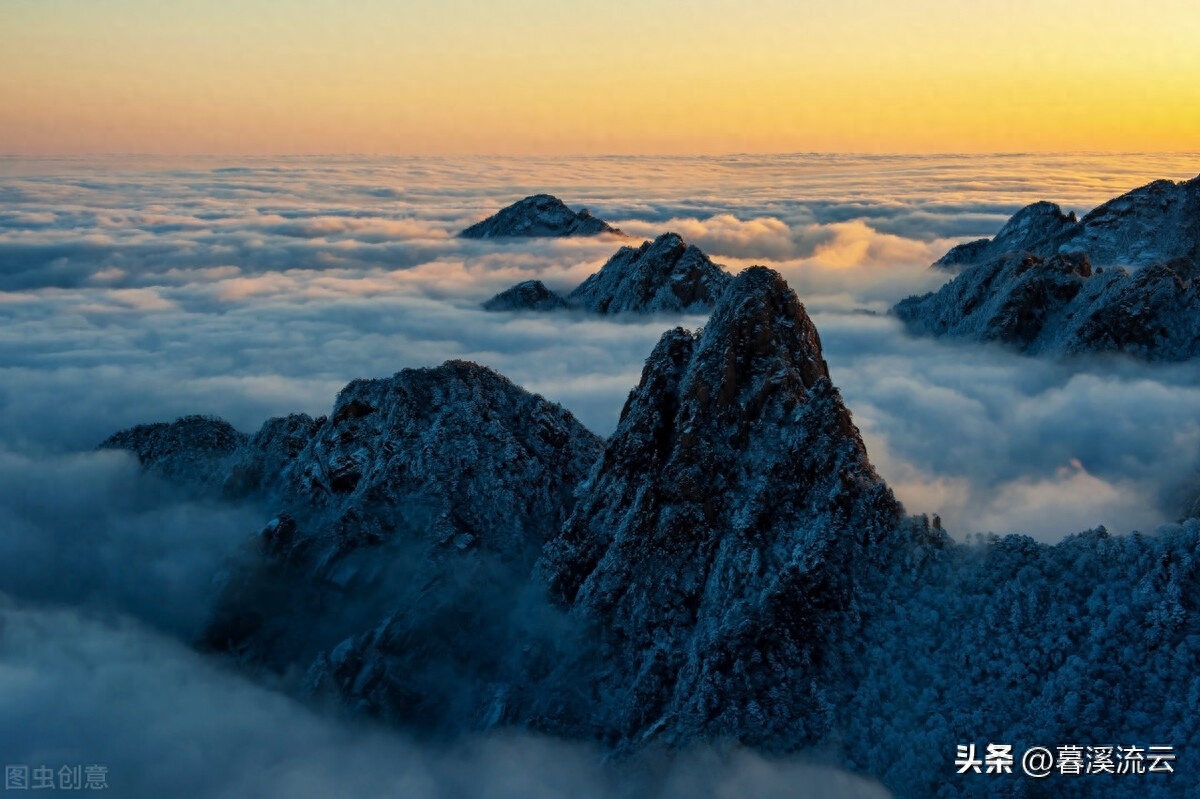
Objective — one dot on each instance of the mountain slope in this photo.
(412, 485)
(1061, 305)
(1039, 227)
(198, 450)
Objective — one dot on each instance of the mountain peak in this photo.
(735, 495)
(1036, 227)
(762, 325)
(1150, 225)
(439, 463)
(538, 215)
(663, 275)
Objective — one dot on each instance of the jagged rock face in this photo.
(1151, 225)
(718, 538)
(409, 480)
(665, 275)
(260, 465)
(1008, 299)
(1039, 227)
(538, 215)
(529, 295)
(494, 464)
(1061, 305)
(196, 449)
(1154, 224)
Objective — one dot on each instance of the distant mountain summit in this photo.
(1039, 227)
(666, 275)
(538, 215)
(1122, 279)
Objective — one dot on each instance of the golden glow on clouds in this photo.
(652, 76)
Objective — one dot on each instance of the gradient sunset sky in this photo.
(623, 76)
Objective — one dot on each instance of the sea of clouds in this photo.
(135, 290)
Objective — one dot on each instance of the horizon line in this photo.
(730, 154)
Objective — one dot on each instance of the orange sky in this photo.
(626, 76)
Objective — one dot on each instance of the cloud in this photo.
(132, 295)
(997, 441)
(78, 689)
(91, 531)
(765, 238)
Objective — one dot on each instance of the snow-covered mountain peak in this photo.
(194, 449)
(735, 496)
(1154, 224)
(760, 329)
(1122, 279)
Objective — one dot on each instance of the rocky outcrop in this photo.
(198, 450)
(1153, 224)
(489, 464)
(719, 538)
(529, 295)
(538, 215)
(1040, 227)
(666, 275)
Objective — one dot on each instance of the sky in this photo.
(460, 77)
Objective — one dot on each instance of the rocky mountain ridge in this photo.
(1120, 280)
(1152, 224)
